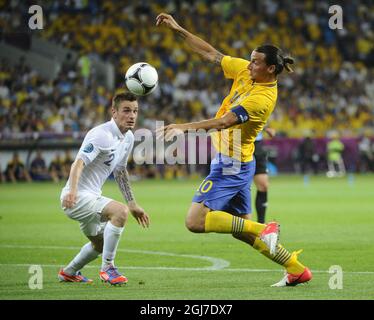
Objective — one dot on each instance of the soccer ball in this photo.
(141, 79)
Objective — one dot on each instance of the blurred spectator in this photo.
(189, 89)
(68, 64)
(16, 171)
(335, 163)
(177, 171)
(332, 86)
(307, 156)
(68, 160)
(56, 169)
(84, 65)
(2, 177)
(38, 168)
(366, 153)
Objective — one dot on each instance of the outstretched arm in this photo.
(197, 45)
(172, 130)
(123, 181)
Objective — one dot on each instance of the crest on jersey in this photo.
(88, 148)
(235, 97)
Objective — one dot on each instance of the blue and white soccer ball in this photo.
(141, 79)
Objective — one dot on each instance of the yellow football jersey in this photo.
(257, 102)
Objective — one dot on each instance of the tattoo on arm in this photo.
(218, 58)
(122, 178)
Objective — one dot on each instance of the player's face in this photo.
(260, 71)
(126, 114)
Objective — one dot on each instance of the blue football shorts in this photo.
(227, 187)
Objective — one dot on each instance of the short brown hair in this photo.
(123, 96)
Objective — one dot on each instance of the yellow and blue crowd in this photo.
(332, 87)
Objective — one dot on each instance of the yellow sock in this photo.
(223, 222)
(294, 266)
(282, 257)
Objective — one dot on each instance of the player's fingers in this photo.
(68, 204)
(71, 201)
(169, 135)
(160, 15)
(160, 130)
(160, 19)
(145, 220)
(148, 221)
(160, 135)
(141, 222)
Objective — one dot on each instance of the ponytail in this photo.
(286, 63)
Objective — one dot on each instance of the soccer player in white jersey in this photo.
(105, 149)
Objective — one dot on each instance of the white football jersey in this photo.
(104, 149)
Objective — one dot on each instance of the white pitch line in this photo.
(24, 265)
(217, 264)
(98, 267)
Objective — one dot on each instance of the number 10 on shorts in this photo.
(205, 186)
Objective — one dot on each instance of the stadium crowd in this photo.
(332, 86)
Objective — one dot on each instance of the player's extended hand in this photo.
(168, 20)
(139, 214)
(167, 133)
(69, 200)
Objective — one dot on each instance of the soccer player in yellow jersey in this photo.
(222, 203)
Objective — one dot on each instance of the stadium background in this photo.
(57, 83)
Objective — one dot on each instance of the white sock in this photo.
(112, 234)
(86, 255)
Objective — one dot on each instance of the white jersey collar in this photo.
(116, 130)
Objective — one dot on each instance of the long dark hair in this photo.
(274, 56)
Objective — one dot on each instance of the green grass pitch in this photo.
(331, 219)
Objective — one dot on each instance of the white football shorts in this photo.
(87, 211)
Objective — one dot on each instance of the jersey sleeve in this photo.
(94, 143)
(232, 66)
(253, 108)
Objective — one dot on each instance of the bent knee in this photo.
(263, 187)
(194, 226)
(120, 216)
